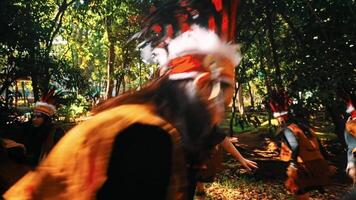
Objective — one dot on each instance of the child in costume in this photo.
(308, 170)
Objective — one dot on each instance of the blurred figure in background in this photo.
(350, 139)
(308, 170)
(25, 146)
(39, 135)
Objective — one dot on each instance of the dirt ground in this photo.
(267, 182)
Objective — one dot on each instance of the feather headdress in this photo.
(350, 108)
(279, 103)
(48, 102)
(189, 28)
(193, 39)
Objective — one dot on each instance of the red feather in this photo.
(232, 36)
(212, 24)
(218, 5)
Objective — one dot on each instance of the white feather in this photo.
(41, 103)
(278, 114)
(350, 108)
(199, 40)
(146, 54)
(159, 55)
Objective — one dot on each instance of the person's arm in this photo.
(351, 143)
(292, 143)
(230, 148)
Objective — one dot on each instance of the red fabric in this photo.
(188, 63)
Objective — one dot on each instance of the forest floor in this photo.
(267, 182)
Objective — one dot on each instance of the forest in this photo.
(83, 48)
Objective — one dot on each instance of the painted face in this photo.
(37, 119)
(217, 86)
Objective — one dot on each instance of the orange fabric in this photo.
(207, 65)
(351, 127)
(309, 174)
(312, 169)
(308, 147)
(76, 167)
(186, 63)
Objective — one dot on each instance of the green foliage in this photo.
(77, 107)
(313, 43)
(306, 47)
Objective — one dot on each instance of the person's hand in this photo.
(233, 140)
(248, 164)
(292, 171)
(290, 182)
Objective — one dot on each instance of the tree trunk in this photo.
(16, 94)
(240, 98)
(5, 86)
(267, 83)
(233, 112)
(111, 62)
(251, 95)
(36, 91)
(123, 84)
(140, 69)
(273, 46)
(338, 122)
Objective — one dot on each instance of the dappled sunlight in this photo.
(274, 122)
(244, 189)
